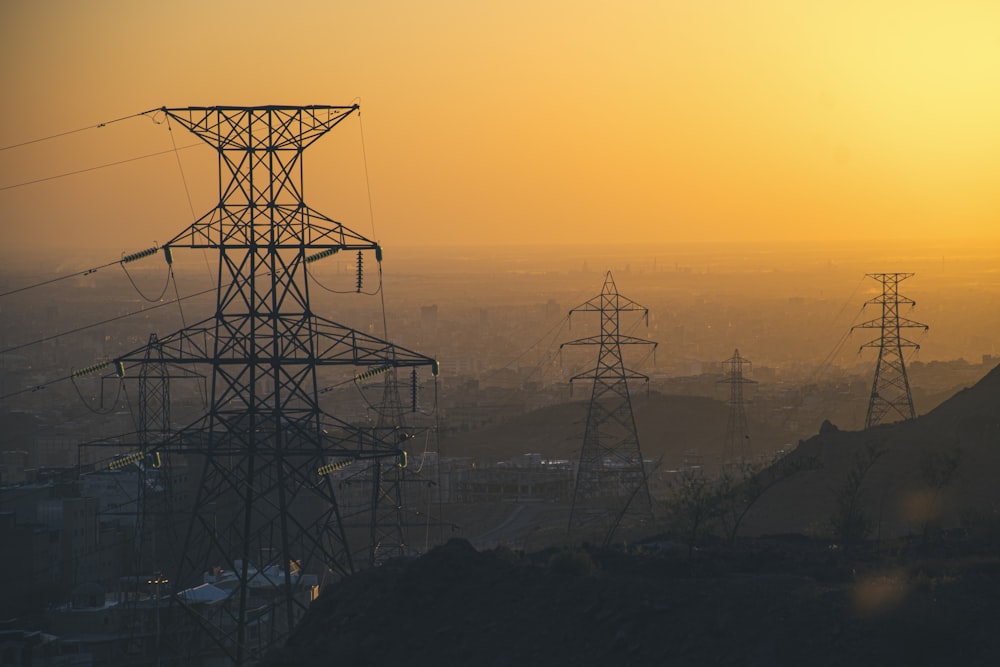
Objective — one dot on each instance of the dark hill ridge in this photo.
(894, 493)
(769, 601)
(668, 426)
(457, 606)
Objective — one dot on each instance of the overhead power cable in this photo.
(85, 272)
(45, 339)
(81, 129)
(34, 388)
(94, 168)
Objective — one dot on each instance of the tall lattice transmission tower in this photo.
(890, 395)
(611, 483)
(736, 446)
(265, 521)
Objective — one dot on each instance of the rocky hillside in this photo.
(787, 600)
(939, 469)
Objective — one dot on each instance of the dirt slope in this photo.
(894, 493)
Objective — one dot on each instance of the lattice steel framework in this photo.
(736, 446)
(891, 388)
(265, 510)
(611, 479)
(384, 516)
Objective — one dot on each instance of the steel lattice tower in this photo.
(737, 443)
(265, 507)
(385, 479)
(611, 478)
(891, 388)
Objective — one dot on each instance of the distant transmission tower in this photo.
(389, 518)
(611, 480)
(265, 519)
(736, 446)
(891, 389)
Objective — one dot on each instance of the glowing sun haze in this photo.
(521, 122)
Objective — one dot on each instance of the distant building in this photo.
(526, 478)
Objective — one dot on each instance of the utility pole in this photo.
(736, 446)
(890, 396)
(611, 478)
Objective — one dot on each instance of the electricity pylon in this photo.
(891, 389)
(736, 446)
(611, 479)
(265, 509)
(385, 480)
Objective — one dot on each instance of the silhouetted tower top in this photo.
(611, 479)
(890, 395)
(736, 446)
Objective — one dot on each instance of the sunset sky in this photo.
(523, 121)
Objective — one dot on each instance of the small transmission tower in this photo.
(736, 446)
(891, 389)
(611, 478)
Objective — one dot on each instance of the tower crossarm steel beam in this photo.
(595, 374)
(339, 344)
(622, 340)
(335, 345)
(278, 127)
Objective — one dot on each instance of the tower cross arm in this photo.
(891, 299)
(632, 340)
(341, 345)
(187, 346)
(624, 305)
(905, 323)
(597, 340)
(900, 322)
(878, 343)
(307, 229)
(589, 340)
(288, 127)
(733, 380)
(595, 374)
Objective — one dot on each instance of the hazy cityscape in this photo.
(495, 319)
(525, 333)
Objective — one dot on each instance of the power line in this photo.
(126, 259)
(85, 272)
(37, 387)
(81, 129)
(94, 168)
(107, 321)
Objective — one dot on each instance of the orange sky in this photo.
(522, 121)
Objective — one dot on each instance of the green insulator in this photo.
(139, 255)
